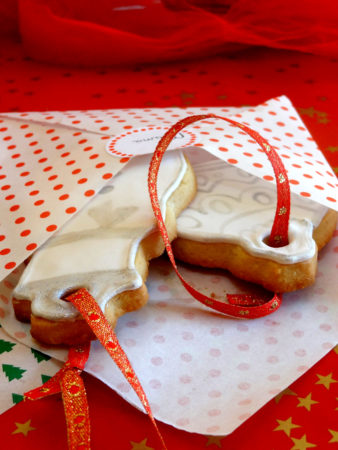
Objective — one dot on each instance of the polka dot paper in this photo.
(52, 163)
(47, 173)
(203, 372)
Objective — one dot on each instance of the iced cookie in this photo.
(227, 225)
(105, 248)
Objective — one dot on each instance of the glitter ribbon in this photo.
(240, 305)
(69, 382)
(95, 318)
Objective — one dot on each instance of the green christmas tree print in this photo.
(12, 372)
(39, 356)
(45, 378)
(6, 346)
(17, 398)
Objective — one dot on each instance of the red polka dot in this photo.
(127, 127)
(123, 160)
(45, 214)
(25, 233)
(82, 141)
(331, 199)
(55, 138)
(20, 220)
(64, 155)
(94, 156)
(258, 165)
(33, 143)
(2, 237)
(71, 210)
(24, 174)
(89, 193)
(306, 175)
(319, 187)
(58, 187)
(63, 197)
(305, 194)
(39, 202)
(71, 162)
(106, 176)
(48, 168)
(293, 182)
(297, 166)
(52, 177)
(82, 180)
(31, 246)
(38, 151)
(14, 208)
(60, 146)
(247, 154)
(5, 187)
(268, 177)
(223, 149)
(10, 197)
(29, 183)
(34, 192)
(98, 166)
(51, 228)
(86, 149)
(10, 265)
(105, 128)
(5, 251)
(232, 161)
(76, 171)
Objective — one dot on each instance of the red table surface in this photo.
(306, 414)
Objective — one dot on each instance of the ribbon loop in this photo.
(239, 305)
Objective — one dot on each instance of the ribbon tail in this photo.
(76, 410)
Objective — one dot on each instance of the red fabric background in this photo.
(112, 32)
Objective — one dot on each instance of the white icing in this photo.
(236, 207)
(97, 248)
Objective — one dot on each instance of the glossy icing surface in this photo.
(236, 207)
(97, 248)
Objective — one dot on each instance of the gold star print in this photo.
(23, 428)
(326, 380)
(214, 440)
(307, 402)
(286, 391)
(286, 426)
(336, 349)
(332, 149)
(334, 436)
(140, 445)
(302, 444)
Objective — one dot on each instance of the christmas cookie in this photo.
(228, 223)
(105, 249)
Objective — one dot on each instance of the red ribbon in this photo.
(95, 318)
(68, 381)
(239, 305)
